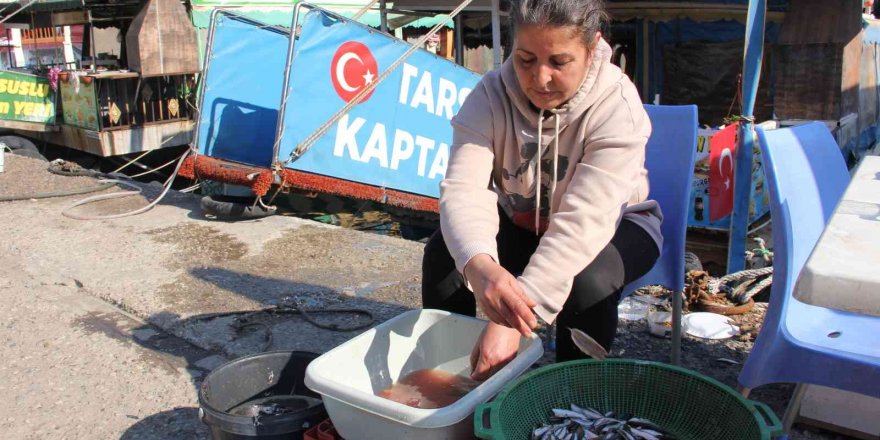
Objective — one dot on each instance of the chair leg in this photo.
(794, 407)
(744, 391)
(676, 328)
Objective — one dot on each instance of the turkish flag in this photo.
(722, 150)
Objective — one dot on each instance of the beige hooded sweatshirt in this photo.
(591, 175)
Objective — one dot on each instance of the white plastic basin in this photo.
(349, 376)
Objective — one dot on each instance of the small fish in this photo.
(588, 424)
(587, 344)
(539, 432)
(590, 414)
(564, 413)
(644, 423)
(644, 434)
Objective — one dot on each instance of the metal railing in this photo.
(134, 101)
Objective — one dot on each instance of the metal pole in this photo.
(742, 181)
(459, 41)
(279, 126)
(92, 40)
(383, 15)
(496, 33)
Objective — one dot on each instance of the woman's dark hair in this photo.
(588, 16)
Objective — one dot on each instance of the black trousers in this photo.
(592, 304)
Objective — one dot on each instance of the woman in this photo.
(543, 210)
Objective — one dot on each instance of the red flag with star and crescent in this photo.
(353, 67)
(722, 150)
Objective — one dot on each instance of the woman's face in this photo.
(550, 63)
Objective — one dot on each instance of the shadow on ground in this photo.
(203, 342)
(178, 423)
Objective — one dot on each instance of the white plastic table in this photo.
(843, 271)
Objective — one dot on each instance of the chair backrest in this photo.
(806, 177)
(670, 156)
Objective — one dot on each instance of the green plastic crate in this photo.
(685, 403)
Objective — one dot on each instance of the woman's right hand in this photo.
(496, 347)
(499, 294)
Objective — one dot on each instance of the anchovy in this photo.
(568, 414)
(580, 423)
(590, 414)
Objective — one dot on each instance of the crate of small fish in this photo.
(622, 399)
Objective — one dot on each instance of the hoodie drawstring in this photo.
(538, 173)
(538, 169)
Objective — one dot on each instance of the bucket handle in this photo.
(768, 420)
(483, 420)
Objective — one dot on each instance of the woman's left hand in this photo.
(496, 347)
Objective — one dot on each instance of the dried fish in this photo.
(579, 423)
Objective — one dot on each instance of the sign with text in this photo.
(398, 136)
(25, 97)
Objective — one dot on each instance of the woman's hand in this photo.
(496, 347)
(500, 295)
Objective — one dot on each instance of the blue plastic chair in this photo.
(670, 156)
(806, 176)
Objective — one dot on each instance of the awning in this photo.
(280, 13)
(441, 5)
(101, 10)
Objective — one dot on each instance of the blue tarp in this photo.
(242, 92)
(686, 30)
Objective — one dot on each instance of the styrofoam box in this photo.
(349, 376)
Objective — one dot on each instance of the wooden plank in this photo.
(69, 18)
(150, 137)
(123, 141)
(701, 12)
(850, 76)
(868, 87)
(448, 43)
(27, 126)
(821, 22)
(805, 88)
(72, 137)
(113, 74)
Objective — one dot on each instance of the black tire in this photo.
(21, 146)
(231, 208)
(692, 262)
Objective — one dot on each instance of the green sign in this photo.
(26, 97)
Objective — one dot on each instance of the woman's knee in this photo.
(604, 278)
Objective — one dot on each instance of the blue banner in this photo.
(398, 136)
(242, 91)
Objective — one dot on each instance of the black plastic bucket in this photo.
(260, 396)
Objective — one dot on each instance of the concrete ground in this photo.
(106, 327)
